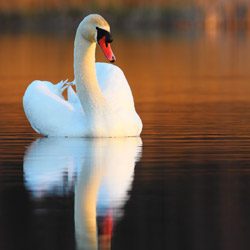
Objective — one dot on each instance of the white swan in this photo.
(103, 105)
(100, 170)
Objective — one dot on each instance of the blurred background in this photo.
(127, 14)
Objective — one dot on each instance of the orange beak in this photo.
(107, 49)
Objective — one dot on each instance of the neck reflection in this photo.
(99, 171)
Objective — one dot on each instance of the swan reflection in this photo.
(99, 171)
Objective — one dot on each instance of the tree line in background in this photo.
(127, 14)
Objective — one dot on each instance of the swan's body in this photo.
(103, 105)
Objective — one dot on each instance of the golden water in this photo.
(191, 185)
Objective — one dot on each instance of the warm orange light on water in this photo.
(177, 76)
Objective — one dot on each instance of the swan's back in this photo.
(49, 113)
(114, 87)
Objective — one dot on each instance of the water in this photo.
(184, 185)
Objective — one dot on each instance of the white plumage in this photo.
(103, 105)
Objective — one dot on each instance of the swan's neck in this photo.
(87, 86)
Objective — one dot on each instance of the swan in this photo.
(102, 105)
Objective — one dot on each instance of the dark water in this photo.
(184, 185)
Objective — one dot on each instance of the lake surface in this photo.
(185, 184)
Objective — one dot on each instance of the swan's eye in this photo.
(103, 33)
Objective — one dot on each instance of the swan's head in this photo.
(95, 28)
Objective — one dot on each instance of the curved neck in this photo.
(87, 86)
